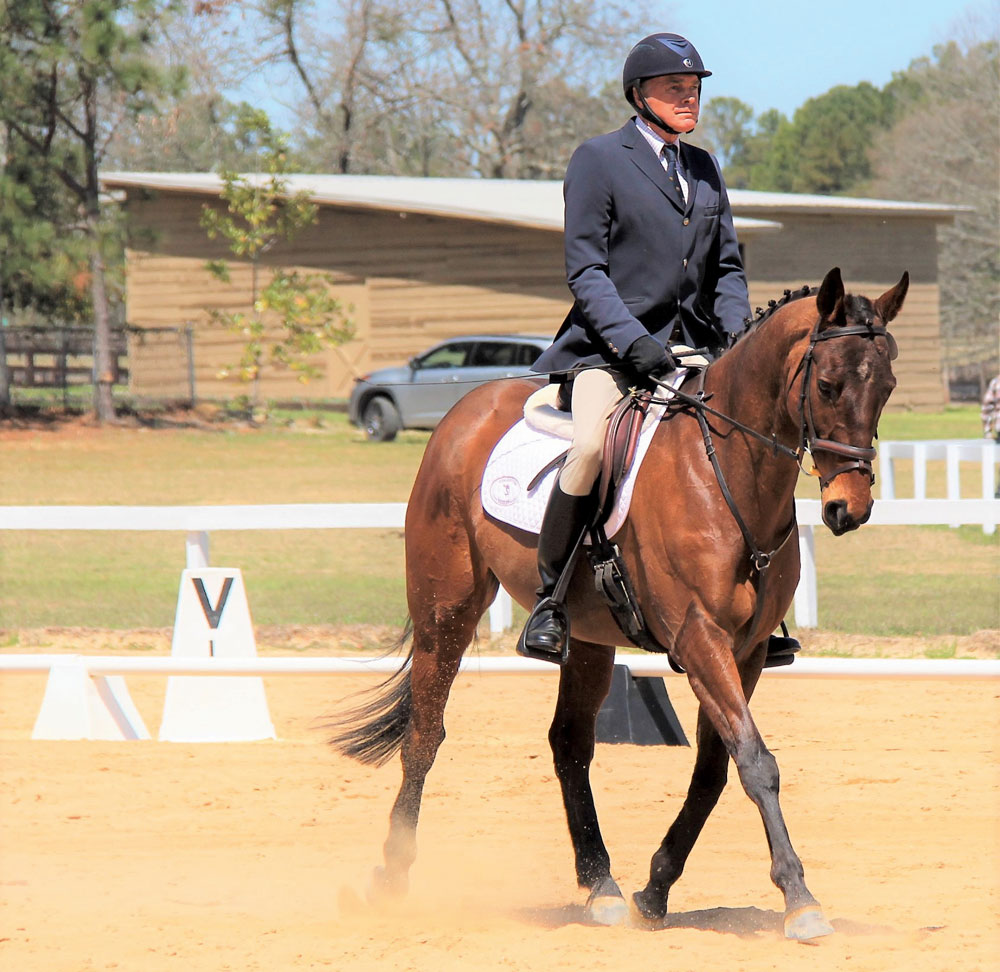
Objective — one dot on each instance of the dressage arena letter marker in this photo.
(213, 621)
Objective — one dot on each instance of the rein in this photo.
(861, 457)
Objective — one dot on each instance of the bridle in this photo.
(860, 457)
(808, 441)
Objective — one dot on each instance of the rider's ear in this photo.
(891, 302)
(830, 299)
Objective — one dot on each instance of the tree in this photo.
(946, 148)
(725, 128)
(43, 263)
(292, 316)
(449, 87)
(824, 148)
(197, 129)
(70, 70)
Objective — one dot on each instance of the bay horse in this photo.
(813, 372)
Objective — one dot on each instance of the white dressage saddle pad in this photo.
(535, 441)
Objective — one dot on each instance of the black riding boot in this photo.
(546, 633)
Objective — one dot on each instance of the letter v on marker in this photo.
(212, 615)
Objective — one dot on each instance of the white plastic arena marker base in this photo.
(213, 621)
(76, 706)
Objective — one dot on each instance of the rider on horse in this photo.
(652, 261)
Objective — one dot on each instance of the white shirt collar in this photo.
(656, 141)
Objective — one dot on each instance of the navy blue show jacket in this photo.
(639, 260)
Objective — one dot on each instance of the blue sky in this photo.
(779, 53)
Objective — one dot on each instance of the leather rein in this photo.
(808, 441)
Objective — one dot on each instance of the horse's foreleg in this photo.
(583, 685)
(707, 783)
(715, 679)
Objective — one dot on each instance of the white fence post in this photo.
(806, 600)
(952, 474)
(989, 477)
(920, 470)
(886, 466)
(196, 549)
(501, 613)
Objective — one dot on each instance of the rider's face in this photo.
(675, 98)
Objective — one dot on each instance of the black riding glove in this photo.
(650, 358)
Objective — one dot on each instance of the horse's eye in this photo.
(825, 388)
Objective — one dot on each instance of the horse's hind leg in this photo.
(445, 612)
(583, 685)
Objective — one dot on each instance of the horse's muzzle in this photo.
(839, 519)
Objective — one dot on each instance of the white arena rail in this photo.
(986, 452)
(197, 522)
(86, 696)
(103, 666)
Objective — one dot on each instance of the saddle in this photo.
(621, 440)
(620, 443)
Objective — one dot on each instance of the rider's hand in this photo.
(650, 358)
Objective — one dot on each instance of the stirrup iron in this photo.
(558, 656)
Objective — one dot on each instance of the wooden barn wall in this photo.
(412, 280)
(872, 254)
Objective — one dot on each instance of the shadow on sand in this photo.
(746, 922)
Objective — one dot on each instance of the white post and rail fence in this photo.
(86, 696)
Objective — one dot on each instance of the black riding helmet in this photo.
(656, 55)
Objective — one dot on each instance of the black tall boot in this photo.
(546, 633)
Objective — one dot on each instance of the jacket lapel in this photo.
(643, 156)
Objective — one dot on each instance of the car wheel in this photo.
(380, 420)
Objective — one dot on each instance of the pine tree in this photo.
(70, 71)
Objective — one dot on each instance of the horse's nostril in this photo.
(835, 514)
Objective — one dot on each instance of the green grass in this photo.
(955, 422)
(878, 581)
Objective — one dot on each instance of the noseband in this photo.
(861, 457)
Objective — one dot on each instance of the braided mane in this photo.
(761, 314)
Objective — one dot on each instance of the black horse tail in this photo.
(372, 732)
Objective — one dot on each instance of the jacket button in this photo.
(686, 221)
(685, 261)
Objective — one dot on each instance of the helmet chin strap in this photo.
(649, 115)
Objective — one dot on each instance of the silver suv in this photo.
(417, 395)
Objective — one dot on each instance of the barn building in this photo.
(418, 260)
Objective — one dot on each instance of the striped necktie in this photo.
(671, 156)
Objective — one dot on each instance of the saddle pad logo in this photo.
(505, 491)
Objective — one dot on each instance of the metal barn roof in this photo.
(536, 204)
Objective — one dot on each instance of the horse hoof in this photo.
(606, 906)
(386, 887)
(806, 923)
(650, 904)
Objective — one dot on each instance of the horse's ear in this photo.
(830, 299)
(891, 302)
